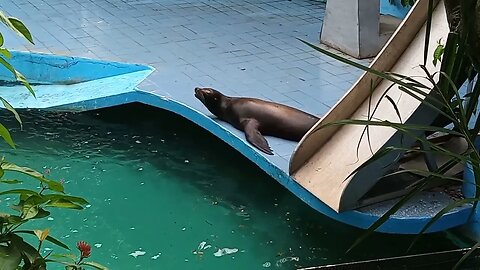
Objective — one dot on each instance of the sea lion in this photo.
(257, 117)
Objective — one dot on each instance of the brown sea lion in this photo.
(257, 117)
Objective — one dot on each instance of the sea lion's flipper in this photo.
(253, 135)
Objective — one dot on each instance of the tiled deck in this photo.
(245, 48)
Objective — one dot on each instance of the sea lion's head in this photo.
(211, 98)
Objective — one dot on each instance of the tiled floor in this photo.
(246, 48)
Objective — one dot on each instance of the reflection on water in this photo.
(165, 194)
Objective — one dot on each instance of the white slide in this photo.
(325, 158)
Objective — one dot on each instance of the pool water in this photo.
(165, 194)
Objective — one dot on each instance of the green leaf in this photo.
(1, 174)
(7, 166)
(5, 53)
(18, 76)
(55, 186)
(71, 257)
(20, 27)
(12, 110)
(6, 135)
(1, 39)
(25, 248)
(10, 257)
(35, 199)
(29, 211)
(15, 220)
(66, 197)
(41, 214)
(7, 66)
(49, 238)
(95, 265)
(437, 54)
(16, 26)
(23, 80)
(18, 191)
(62, 203)
(13, 181)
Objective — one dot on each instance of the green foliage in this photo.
(15, 252)
(437, 55)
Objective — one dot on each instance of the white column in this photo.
(355, 27)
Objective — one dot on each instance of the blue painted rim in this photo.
(395, 225)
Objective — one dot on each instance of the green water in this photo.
(158, 184)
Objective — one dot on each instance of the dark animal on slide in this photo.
(257, 117)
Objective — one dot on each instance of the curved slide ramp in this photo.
(326, 160)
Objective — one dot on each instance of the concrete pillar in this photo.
(356, 27)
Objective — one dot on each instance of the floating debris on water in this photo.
(286, 259)
(201, 247)
(225, 251)
(50, 218)
(156, 256)
(137, 253)
(267, 264)
(98, 245)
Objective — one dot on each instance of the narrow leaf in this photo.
(395, 107)
(71, 257)
(5, 53)
(12, 110)
(55, 186)
(18, 191)
(14, 181)
(464, 257)
(6, 135)
(48, 238)
(24, 81)
(440, 214)
(62, 203)
(66, 197)
(427, 31)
